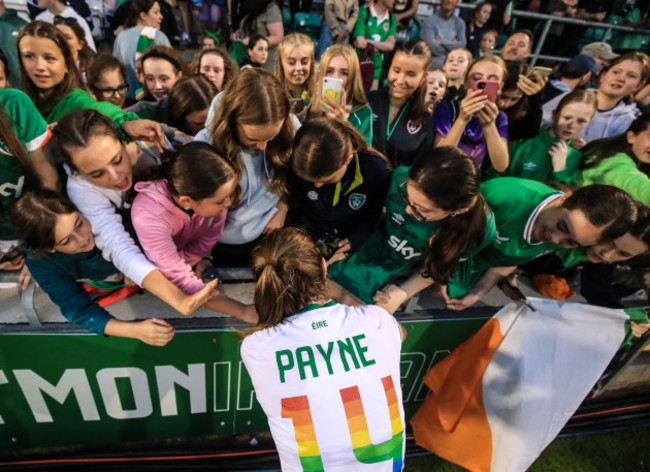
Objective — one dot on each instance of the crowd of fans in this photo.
(385, 172)
(411, 166)
(434, 162)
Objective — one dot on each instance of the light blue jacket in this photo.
(257, 203)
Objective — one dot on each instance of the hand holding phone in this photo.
(13, 253)
(534, 81)
(296, 105)
(331, 88)
(543, 71)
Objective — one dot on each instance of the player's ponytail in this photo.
(288, 270)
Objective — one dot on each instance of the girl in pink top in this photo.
(179, 219)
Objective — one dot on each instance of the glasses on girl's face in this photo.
(113, 92)
(418, 216)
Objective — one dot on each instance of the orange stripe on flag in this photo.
(456, 383)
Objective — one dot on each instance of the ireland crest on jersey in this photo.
(356, 200)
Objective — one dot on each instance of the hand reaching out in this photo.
(145, 130)
(341, 253)
(459, 304)
(154, 331)
(390, 298)
(191, 303)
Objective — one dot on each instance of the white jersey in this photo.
(328, 379)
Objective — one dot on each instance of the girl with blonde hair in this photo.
(341, 62)
(295, 68)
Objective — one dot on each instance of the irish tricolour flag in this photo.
(502, 396)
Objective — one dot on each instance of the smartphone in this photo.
(332, 88)
(296, 105)
(543, 71)
(210, 274)
(328, 244)
(489, 88)
(15, 253)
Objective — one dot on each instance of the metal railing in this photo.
(548, 21)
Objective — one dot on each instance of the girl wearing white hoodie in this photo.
(250, 126)
(101, 171)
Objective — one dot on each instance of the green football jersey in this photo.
(32, 132)
(395, 247)
(516, 204)
(398, 244)
(371, 27)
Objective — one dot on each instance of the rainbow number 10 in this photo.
(297, 408)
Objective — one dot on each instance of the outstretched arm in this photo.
(153, 331)
(392, 296)
(487, 282)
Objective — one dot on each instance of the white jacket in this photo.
(99, 205)
(611, 122)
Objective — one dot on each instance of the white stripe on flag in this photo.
(542, 371)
